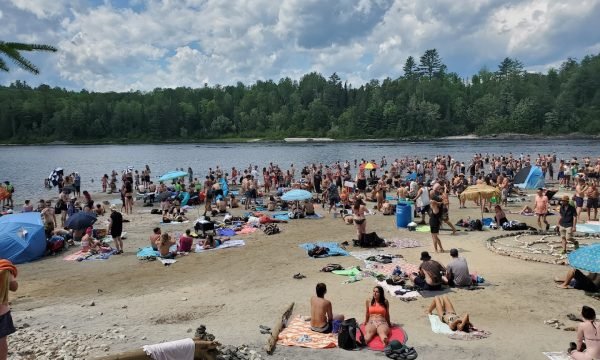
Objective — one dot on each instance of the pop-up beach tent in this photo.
(22, 237)
(530, 177)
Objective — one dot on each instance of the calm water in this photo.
(27, 166)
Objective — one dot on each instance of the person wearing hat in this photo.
(457, 270)
(115, 227)
(567, 222)
(430, 274)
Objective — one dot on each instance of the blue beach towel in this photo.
(334, 248)
(283, 216)
(314, 216)
(225, 232)
(148, 252)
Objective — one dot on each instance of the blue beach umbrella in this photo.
(172, 175)
(586, 258)
(296, 195)
(80, 221)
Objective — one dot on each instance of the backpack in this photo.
(476, 225)
(347, 335)
(271, 229)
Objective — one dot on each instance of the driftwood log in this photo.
(204, 350)
(279, 325)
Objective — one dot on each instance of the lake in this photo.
(27, 166)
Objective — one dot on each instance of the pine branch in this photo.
(18, 59)
(3, 66)
(30, 47)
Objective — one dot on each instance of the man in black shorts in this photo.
(430, 274)
(587, 283)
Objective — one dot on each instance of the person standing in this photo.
(580, 190)
(592, 201)
(457, 270)
(115, 228)
(358, 215)
(77, 184)
(541, 208)
(567, 222)
(332, 194)
(8, 274)
(435, 221)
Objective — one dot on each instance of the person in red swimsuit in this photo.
(377, 316)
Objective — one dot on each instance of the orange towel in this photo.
(296, 330)
(8, 265)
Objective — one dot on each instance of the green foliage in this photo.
(13, 51)
(427, 101)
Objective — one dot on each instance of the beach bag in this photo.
(271, 229)
(347, 335)
(55, 244)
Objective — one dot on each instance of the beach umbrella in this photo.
(586, 258)
(480, 192)
(370, 166)
(296, 195)
(163, 196)
(172, 175)
(80, 221)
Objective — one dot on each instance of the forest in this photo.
(427, 101)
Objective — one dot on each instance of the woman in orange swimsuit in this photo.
(377, 318)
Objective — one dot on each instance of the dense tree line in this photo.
(427, 101)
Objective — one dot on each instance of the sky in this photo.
(122, 45)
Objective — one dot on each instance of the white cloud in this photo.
(170, 43)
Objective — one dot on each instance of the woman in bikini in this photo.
(448, 315)
(377, 316)
(359, 218)
(588, 331)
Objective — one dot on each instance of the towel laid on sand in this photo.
(557, 355)
(396, 333)
(314, 216)
(226, 232)
(409, 296)
(439, 327)
(173, 350)
(334, 248)
(283, 216)
(246, 230)
(147, 252)
(298, 333)
(588, 228)
(86, 255)
(225, 245)
(174, 222)
(404, 243)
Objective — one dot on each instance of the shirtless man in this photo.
(48, 213)
(154, 238)
(541, 208)
(321, 312)
(580, 191)
(592, 201)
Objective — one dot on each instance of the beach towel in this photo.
(557, 355)
(284, 217)
(298, 333)
(347, 272)
(314, 216)
(404, 243)
(225, 245)
(392, 289)
(86, 255)
(396, 333)
(588, 228)
(334, 248)
(246, 230)
(226, 232)
(179, 349)
(439, 327)
(174, 222)
(147, 253)
(423, 228)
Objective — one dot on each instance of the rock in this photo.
(124, 307)
(63, 326)
(143, 338)
(92, 303)
(184, 299)
(189, 330)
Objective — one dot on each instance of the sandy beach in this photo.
(233, 291)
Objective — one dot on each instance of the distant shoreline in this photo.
(294, 140)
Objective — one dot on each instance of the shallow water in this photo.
(27, 166)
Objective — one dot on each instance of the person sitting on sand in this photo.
(221, 205)
(377, 316)
(27, 207)
(587, 332)
(99, 210)
(212, 243)
(430, 274)
(445, 310)
(387, 208)
(233, 201)
(154, 238)
(500, 216)
(321, 312)
(164, 246)
(309, 207)
(185, 242)
(272, 204)
(578, 280)
(527, 211)
(89, 243)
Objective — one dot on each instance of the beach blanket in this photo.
(298, 333)
(557, 355)
(408, 296)
(225, 245)
(174, 222)
(334, 248)
(588, 228)
(423, 228)
(396, 333)
(86, 255)
(246, 230)
(347, 272)
(226, 232)
(404, 243)
(147, 253)
(439, 327)
(283, 216)
(314, 216)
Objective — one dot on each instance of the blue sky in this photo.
(144, 44)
